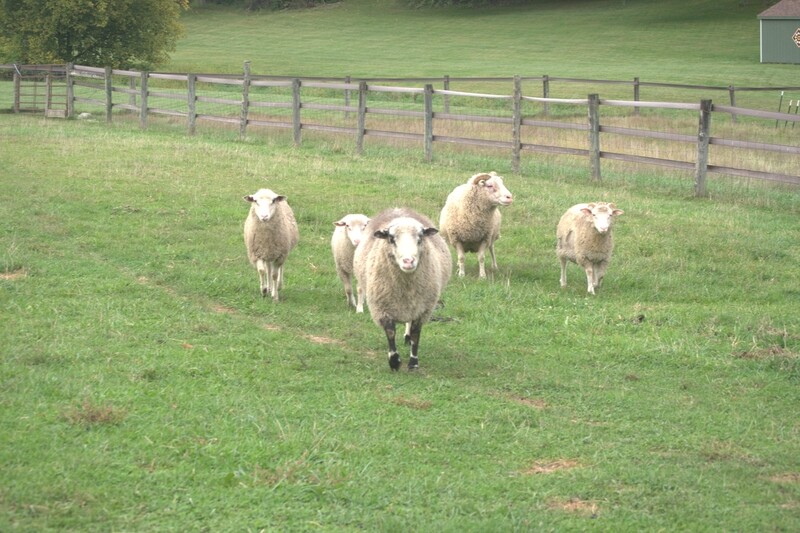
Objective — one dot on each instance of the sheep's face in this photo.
(404, 236)
(493, 187)
(263, 203)
(602, 215)
(354, 226)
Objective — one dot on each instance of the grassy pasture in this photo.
(148, 386)
(699, 43)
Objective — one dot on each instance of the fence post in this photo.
(191, 115)
(109, 94)
(546, 93)
(594, 136)
(132, 87)
(347, 97)
(70, 90)
(17, 89)
(703, 134)
(296, 110)
(636, 94)
(517, 124)
(446, 86)
(48, 98)
(245, 101)
(732, 92)
(362, 116)
(428, 122)
(143, 100)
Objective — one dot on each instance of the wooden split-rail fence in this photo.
(246, 102)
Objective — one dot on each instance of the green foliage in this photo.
(116, 33)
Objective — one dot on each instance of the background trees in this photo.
(117, 33)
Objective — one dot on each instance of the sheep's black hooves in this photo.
(407, 340)
(413, 363)
(264, 293)
(394, 361)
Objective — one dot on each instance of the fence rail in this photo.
(289, 103)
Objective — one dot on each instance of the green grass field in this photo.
(147, 386)
(699, 43)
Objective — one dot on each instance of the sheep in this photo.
(585, 236)
(270, 234)
(402, 267)
(470, 219)
(348, 233)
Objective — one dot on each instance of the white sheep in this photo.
(348, 233)
(585, 237)
(470, 219)
(270, 234)
(402, 267)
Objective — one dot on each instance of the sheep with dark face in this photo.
(584, 236)
(270, 234)
(348, 233)
(402, 267)
(470, 219)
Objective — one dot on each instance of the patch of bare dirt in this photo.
(770, 352)
(13, 275)
(788, 478)
(536, 403)
(575, 505)
(548, 467)
(412, 403)
(322, 340)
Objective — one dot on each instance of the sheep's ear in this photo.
(249, 198)
(339, 223)
(430, 231)
(279, 198)
(382, 234)
(617, 212)
(586, 211)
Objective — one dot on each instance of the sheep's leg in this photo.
(348, 288)
(600, 273)
(360, 304)
(481, 260)
(389, 329)
(563, 271)
(461, 259)
(590, 277)
(263, 279)
(414, 329)
(494, 259)
(407, 336)
(275, 276)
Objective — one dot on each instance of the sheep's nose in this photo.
(409, 263)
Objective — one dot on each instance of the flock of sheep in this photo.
(402, 263)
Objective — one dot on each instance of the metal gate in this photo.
(41, 89)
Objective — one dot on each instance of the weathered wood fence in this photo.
(285, 103)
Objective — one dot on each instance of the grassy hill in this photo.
(706, 42)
